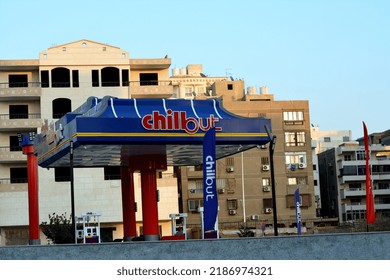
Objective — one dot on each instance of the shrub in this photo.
(59, 229)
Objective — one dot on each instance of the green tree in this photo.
(59, 229)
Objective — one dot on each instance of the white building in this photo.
(59, 81)
(323, 140)
(343, 181)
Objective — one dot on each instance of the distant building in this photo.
(343, 180)
(323, 140)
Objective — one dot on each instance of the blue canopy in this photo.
(107, 131)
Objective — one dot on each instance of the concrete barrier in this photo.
(357, 246)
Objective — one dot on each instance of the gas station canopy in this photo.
(108, 131)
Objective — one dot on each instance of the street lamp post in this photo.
(72, 191)
(271, 155)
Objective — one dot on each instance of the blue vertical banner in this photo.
(297, 199)
(210, 198)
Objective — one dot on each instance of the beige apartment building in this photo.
(59, 81)
(244, 181)
(62, 79)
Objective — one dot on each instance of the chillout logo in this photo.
(178, 120)
(210, 177)
(298, 210)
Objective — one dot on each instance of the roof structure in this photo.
(108, 131)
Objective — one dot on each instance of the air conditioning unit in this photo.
(220, 191)
(301, 165)
(232, 212)
(229, 169)
(266, 188)
(265, 167)
(268, 210)
(255, 217)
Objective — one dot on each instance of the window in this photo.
(314, 167)
(361, 170)
(293, 181)
(230, 86)
(200, 90)
(198, 167)
(18, 175)
(188, 91)
(305, 200)
(295, 158)
(327, 139)
(266, 182)
(267, 203)
(62, 174)
(384, 185)
(345, 138)
(264, 160)
(125, 77)
(45, 78)
(61, 106)
(148, 79)
(14, 144)
(60, 77)
(194, 204)
(17, 81)
(95, 78)
(355, 186)
(110, 77)
(18, 111)
(232, 204)
(294, 139)
(356, 201)
(360, 155)
(315, 183)
(349, 170)
(347, 157)
(195, 186)
(112, 173)
(229, 161)
(75, 78)
(293, 118)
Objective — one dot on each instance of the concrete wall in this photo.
(363, 246)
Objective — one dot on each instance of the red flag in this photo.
(370, 213)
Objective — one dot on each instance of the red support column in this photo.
(33, 205)
(128, 204)
(148, 165)
(149, 205)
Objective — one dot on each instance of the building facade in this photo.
(62, 79)
(343, 181)
(244, 181)
(323, 140)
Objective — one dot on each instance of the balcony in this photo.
(25, 91)
(151, 89)
(362, 207)
(17, 123)
(11, 155)
(354, 207)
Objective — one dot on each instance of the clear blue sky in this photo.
(334, 53)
